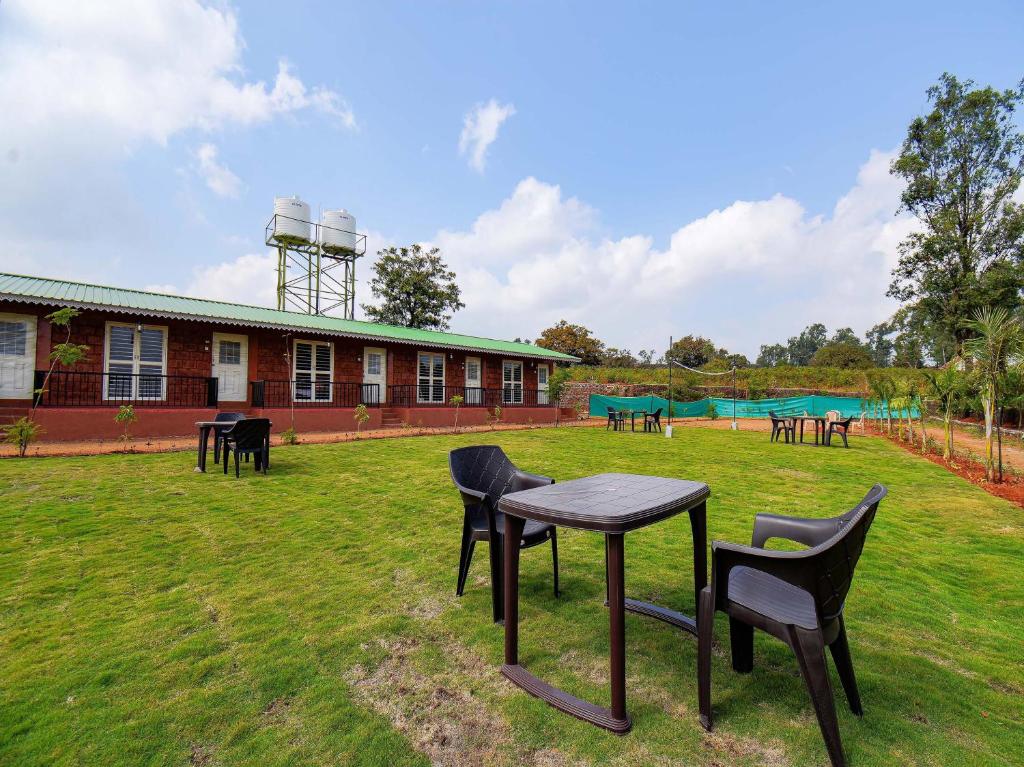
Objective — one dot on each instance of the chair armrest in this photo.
(809, 532)
(525, 480)
(789, 566)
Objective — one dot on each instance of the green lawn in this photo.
(152, 616)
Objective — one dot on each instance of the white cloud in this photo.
(218, 177)
(480, 129)
(753, 272)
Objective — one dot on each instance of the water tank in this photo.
(291, 220)
(338, 230)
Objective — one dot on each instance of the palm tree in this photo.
(948, 387)
(998, 341)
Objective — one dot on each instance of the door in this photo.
(430, 378)
(314, 371)
(375, 371)
(542, 384)
(17, 355)
(231, 366)
(135, 362)
(474, 382)
(512, 382)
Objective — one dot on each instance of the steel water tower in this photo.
(316, 261)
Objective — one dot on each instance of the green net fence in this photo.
(745, 408)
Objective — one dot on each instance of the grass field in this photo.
(152, 616)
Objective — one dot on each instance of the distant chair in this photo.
(833, 415)
(838, 427)
(784, 426)
(483, 474)
(797, 597)
(218, 431)
(616, 420)
(652, 421)
(250, 436)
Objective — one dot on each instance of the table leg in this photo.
(802, 431)
(204, 433)
(513, 535)
(617, 626)
(699, 531)
(497, 556)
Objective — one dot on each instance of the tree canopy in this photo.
(415, 288)
(962, 163)
(576, 340)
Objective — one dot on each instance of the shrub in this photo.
(361, 415)
(712, 411)
(126, 417)
(289, 437)
(21, 433)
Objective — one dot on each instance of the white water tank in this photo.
(291, 220)
(338, 230)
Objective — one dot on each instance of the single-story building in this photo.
(178, 360)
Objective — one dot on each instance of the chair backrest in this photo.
(833, 415)
(612, 412)
(656, 414)
(483, 468)
(249, 433)
(774, 416)
(832, 562)
(229, 417)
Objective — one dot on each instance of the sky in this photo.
(648, 170)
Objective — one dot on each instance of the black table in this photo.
(632, 419)
(612, 504)
(818, 420)
(205, 427)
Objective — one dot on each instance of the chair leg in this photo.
(465, 557)
(236, 465)
(554, 557)
(810, 653)
(844, 665)
(741, 640)
(845, 443)
(224, 457)
(497, 544)
(705, 632)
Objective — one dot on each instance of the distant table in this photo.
(205, 427)
(818, 419)
(612, 504)
(632, 418)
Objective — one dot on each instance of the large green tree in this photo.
(843, 354)
(692, 351)
(577, 340)
(962, 163)
(803, 347)
(415, 289)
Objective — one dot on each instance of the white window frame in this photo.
(432, 382)
(312, 371)
(137, 364)
(504, 398)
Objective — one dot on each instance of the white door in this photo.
(512, 382)
(375, 371)
(231, 366)
(17, 355)
(542, 384)
(474, 382)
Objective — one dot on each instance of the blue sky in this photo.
(653, 170)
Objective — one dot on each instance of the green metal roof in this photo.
(40, 290)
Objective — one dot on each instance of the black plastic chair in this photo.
(842, 428)
(652, 421)
(616, 420)
(218, 431)
(250, 436)
(483, 474)
(784, 426)
(796, 596)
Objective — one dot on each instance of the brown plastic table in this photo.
(612, 504)
(818, 419)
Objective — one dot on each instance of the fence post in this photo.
(257, 393)
(212, 392)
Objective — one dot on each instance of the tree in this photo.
(962, 163)
(692, 351)
(842, 355)
(618, 358)
(803, 347)
(415, 289)
(878, 344)
(576, 340)
(948, 387)
(772, 356)
(845, 336)
(998, 338)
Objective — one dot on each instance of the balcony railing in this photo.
(313, 394)
(435, 395)
(72, 388)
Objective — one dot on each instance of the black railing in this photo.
(72, 388)
(313, 394)
(435, 395)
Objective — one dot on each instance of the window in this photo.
(512, 382)
(542, 375)
(430, 378)
(13, 338)
(373, 363)
(314, 371)
(230, 352)
(135, 361)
